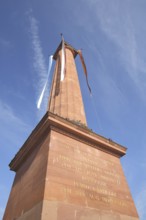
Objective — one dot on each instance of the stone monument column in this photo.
(65, 98)
(64, 171)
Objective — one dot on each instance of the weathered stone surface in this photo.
(66, 99)
(74, 176)
(64, 171)
(81, 175)
(28, 187)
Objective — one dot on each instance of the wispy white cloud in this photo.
(7, 115)
(39, 62)
(13, 129)
(116, 21)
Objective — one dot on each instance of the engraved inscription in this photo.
(91, 170)
(91, 179)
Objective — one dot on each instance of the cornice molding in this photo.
(54, 122)
(85, 135)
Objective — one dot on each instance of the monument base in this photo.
(64, 171)
(62, 211)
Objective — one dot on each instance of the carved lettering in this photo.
(92, 179)
(95, 189)
(91, 171)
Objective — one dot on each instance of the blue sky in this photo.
(112, 35)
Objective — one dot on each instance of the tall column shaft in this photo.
(63, 170)
(65, 98)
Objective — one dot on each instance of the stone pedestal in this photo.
(64, 171)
